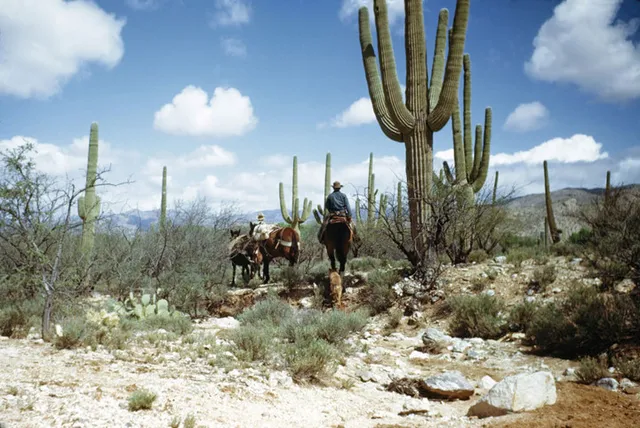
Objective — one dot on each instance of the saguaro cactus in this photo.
(553, 229)
(89, 204)
(428, 107)
(163, 202)
(399, 207)
(319, 212)
(371, 192)
(471, 166)
(295, 218)
(495, 189)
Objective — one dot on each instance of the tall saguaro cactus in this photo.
(607, 188)
(163, 202)
(471, 164)
(320, 212)
(428, 106)
(553, 229)
(295, 218)
(89, 204)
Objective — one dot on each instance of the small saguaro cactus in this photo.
(471, 166)
(163, 202)
(295, 218)
(553, 229)
(319, 213)
(399, 207)
(89, 204)
(495, 189)
(371, 192)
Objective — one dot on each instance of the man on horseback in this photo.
(261, 229)
(336, 205)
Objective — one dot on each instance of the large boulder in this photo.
(521, 392)
(448, 385)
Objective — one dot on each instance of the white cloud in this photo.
(143, 4)
(349, 8)
(577, 148)
(527, 117)
(234, 47)
(202, 157)
(228, 113)
(46, 42)
(360, 112)
(581, 44)
(230, 13)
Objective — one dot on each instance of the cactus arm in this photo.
(458, 149)
(283, 206)
(374, 84)
(437, 69)
(555, 234)
(306, 210)
(317, 217)
(399, 202)
(370, 190)
(294, 189)
(607, 188)
(327, 176)
(468, 148)
(481, 162)
(358, 217)
(163, 202)
(82, 212)
(439, 116)
(447, 173)
(400, 114)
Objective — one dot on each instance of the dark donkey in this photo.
(337, 239)
(283, 242)
(244, 252)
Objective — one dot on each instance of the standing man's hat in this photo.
(337, 185)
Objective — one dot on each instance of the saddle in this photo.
(338, 217)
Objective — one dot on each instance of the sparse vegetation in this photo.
(477, 316)
(141, 399)
(591, 370)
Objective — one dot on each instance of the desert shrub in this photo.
(492, 274)
(141, 399)
(74, 333)
(253, 342)
(565, 249)
(581, 238)
(478, 256)
(479, 284)
(629, 368)
(178, 324)
(310, 360)
(512, 241)
(521, 316)
(290, 276)
(380, 296)
(366, 264)
(584, 323)
(614, 247)
(269, 311)
(544, 276)
(591, 370)
(476, 316)
(518, 255)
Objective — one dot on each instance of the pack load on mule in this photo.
(245, 252)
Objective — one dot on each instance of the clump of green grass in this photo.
(477, 316)
(591, 370)
(141, 399)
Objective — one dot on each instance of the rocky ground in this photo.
(197, 375)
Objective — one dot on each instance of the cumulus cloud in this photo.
(228, 113)
(45, 43)
(349, 8)
(206, 156)
(360, 112)
(583, 44)
(233, 47)
(231, 13)
(577, 148)
(527, 117)
(143, 4)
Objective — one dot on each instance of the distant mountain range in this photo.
(530, 209)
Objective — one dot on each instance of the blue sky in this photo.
(562, 77)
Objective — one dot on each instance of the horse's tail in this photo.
(295, 246)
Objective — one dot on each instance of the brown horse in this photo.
(337, 240)
(244, 252)
(283, 242)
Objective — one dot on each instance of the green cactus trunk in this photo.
(358, 216)
(553, 229)
(428, 107)
(371, 194)
(295, 218)
(546, 233)
(495, 189)
(163, 202)
(399, 208)
(319, 213)
(89, 204)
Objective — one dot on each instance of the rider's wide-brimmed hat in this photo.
(260, 216)
(337, 185)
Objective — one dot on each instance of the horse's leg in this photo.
(332, 257)
(233, 275)
(342, 258)
(265, 271)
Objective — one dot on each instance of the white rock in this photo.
(487, 383)
(522, 392)
(607, 383)
(460, 345)
(500, 259)
(280, 379)
(451, 384)
(398, 289)
(225, 323)
(417, 355)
